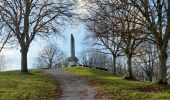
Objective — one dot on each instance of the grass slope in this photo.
(118, 89)
(37, 86)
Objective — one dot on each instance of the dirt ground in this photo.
(73, 87)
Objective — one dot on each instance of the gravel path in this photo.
(73, 87)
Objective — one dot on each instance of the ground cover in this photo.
(118, 89)
(34, 86)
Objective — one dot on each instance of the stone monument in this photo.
(72, 60)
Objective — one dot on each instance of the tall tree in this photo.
(101, 24)
(117, 28)
(132, 35)
(155, 15)
(107, 44)
(28, 18)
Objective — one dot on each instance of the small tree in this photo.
(147, 60)
(94, 58)
(50, 56)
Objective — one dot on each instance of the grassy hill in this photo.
(36, 86)
(118, 89)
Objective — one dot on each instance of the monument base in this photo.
(72, 61)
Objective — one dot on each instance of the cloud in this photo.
(13, 56)
(81, 7)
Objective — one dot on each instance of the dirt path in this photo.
(73, 87)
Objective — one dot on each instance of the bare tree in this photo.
(121, 68)
(131, 36)
(147, 60)
(117, 29)
(101, 25)
(26, 19)
(94, 58)
(49, 57)
(155, 16)
(107, 44)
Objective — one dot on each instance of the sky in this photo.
(13, 57)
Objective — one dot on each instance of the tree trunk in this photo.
(50, 64)
(150, 77)
(162, 67)
(129, 65)
(114, 65)
(24, 51)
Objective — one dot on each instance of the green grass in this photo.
(36, 86)
(118, 89)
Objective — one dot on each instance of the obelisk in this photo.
(72, 46)
(72, 60)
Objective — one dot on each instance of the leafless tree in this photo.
(147, 60)
(107, 45)
(121, 68)
(155, 16)
(26, 19)
(50, 56)
(117, 28)
(94, 58)
(132, 37)
(101, 26)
